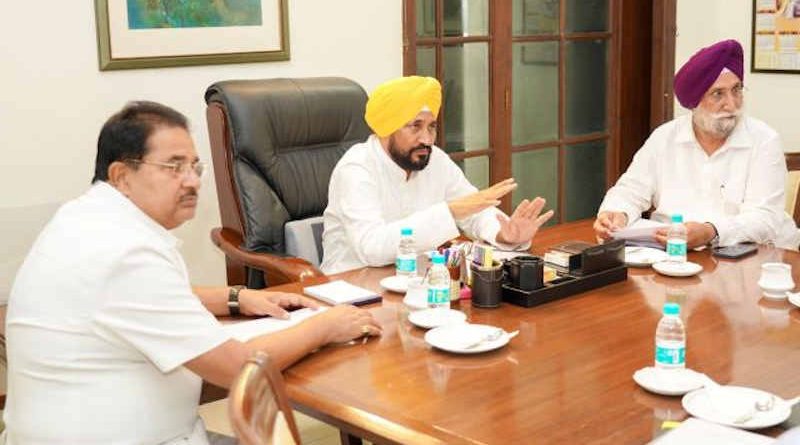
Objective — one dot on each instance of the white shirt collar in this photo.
(739, 138)
(107, 193)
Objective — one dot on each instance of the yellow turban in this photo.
(394, 103)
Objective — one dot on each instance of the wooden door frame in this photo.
(665, 29)
(649, 69)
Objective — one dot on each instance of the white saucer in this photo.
(671, 269)
(726, 404)
(774, 293)
(669, 382)
(395, 283)
(458, 338)
(794, 298)
(639, 256)
(431, 318)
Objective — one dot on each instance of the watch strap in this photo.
(715, 240)
(233, 299)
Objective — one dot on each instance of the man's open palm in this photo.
(523, 223)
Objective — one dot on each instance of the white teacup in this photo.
(776, 279)
(417, 293)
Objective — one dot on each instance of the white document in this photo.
(701, 432)
(640, 233)
(253, 328)
(341, 292)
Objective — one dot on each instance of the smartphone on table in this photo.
(735, 251)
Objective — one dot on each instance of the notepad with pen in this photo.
(342, 292)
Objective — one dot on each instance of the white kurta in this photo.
(101, 318)
(370, 200)
(739, 188)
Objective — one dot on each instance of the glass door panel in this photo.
(426, 61)
(536, 173)
(476, 169)
(466, 18)
(426, 18)
(586, 80)
(535, 99)
(466, 97)
(584, 179)
(587, 15)
(531, 17)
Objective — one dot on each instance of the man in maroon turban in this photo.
(724, 172)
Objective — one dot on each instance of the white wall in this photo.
(769, 97)
(54, 101)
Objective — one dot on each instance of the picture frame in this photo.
(776, 36)
(133, 34)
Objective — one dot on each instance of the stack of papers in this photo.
(342, 292)
(248, 329)
(640, 233)
(698, 431)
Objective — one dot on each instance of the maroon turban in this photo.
(701, 71)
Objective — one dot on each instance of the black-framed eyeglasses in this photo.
(178, 168)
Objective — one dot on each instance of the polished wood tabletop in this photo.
(567, 376)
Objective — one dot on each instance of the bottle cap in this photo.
(672, 309)
(437, 258)
(677, 218)
(406, 231)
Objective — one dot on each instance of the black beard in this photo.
(405, 161)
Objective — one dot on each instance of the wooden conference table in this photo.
(567, 376)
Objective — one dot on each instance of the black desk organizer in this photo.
(600, 266)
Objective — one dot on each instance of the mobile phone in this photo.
(735, 251)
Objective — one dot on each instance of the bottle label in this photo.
(406, 265)
(671, 354)
(438, 295)
(676, 248)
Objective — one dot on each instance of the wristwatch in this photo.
(714, 241)
(233, 299)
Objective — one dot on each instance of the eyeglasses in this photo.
(178, 168)
(719, 95)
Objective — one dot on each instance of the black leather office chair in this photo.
(274, 144)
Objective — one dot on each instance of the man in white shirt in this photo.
(107, 342)
(399, 179)
(723, 171)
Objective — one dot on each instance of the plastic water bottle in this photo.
(671, 339)
(406, 261)
(438, 284)
(676, 240)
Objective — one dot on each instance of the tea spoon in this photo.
(492, 336)
(768, 403)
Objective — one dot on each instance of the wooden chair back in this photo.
(259, 409)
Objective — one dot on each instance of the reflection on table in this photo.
(566, 378)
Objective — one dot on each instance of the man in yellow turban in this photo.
(397, 179)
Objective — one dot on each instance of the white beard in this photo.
(720, 125)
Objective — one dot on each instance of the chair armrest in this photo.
(278, 269)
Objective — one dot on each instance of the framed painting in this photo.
(162, 33)
(776, 36)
